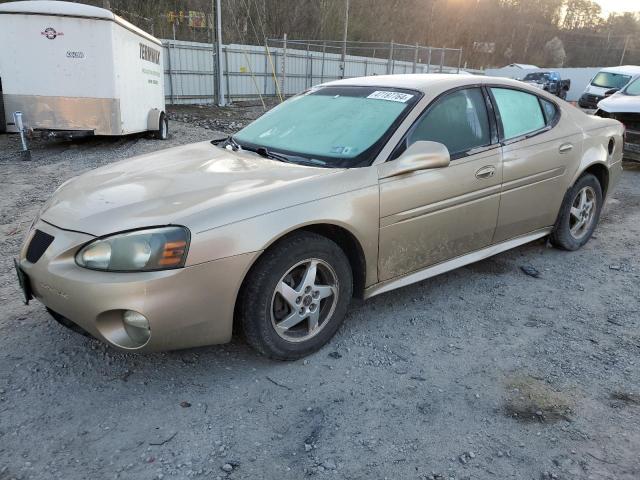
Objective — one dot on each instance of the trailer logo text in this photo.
(51, 33)
(149, 54)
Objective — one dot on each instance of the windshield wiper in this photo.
(266, 153)
(263, 152)
(231, 142)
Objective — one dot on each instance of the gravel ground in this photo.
(484, 372)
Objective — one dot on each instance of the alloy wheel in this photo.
(304, 300)
(583, 212)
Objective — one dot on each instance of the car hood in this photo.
(620, 103)
(181, 185)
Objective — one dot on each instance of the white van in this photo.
(75, 69)
(611, 78)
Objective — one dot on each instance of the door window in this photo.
(459, 121)
(520, 112)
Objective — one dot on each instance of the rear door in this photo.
(537, 150)
(433, 215)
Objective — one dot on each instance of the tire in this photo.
(263, 303)
(163, 128)
(567, 232)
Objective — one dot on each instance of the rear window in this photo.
(520, 112)
(550, 110)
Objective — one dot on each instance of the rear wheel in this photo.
(163, 128)
(296, 296)
(579, 214)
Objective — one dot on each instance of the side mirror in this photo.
(421, 155)
(608, 93)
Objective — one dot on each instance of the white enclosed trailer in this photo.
(75, 68)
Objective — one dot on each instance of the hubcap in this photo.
(583, 212)
(304, 300)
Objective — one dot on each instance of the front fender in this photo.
(356, 211)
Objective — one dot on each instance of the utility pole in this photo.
(344, 37)
(219, 83)
(624, 50)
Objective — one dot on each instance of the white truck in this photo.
(73, 69)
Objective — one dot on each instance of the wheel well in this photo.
(341, 236)
(602, 174)
(350, 246)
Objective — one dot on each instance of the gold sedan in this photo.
(353, 188)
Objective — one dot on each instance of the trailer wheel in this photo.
(163, 128)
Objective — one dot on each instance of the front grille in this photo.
(39, 244)
(631, 121)
(589, 100)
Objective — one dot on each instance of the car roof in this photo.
(625, 69)
(424, 82)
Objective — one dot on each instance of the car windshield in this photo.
(610, 80)
(633, 88)
(537, 76)
(331, 126)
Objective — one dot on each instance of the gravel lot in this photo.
(484, 372)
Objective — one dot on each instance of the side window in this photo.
(459, 121)
(550, 110)
(520, 112)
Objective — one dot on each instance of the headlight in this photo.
(138, 251)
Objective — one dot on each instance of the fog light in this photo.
(137, 326)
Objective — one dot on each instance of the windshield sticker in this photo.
(340, 150)
(391, 96)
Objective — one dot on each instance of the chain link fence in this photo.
(284, 67)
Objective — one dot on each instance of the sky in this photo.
(609, 6)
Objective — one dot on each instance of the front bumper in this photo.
(632, 145)
(186, 307)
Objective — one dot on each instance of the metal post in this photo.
(170, 73)
(459, 60)
(343, 60)
(306, 71)
(415, 59)
(324, 51)
(213, 52)
(17, 120)
(266, 68)
(226, 63)
(390, 61)
(366, 67)
(283, 82)
(429, 61)
(441, 58)
(220, 92)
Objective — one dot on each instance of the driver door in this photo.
(429, 216)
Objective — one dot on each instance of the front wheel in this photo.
(579, 214)
(296, 296)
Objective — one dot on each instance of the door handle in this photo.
(565, 148)
(486, 172)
